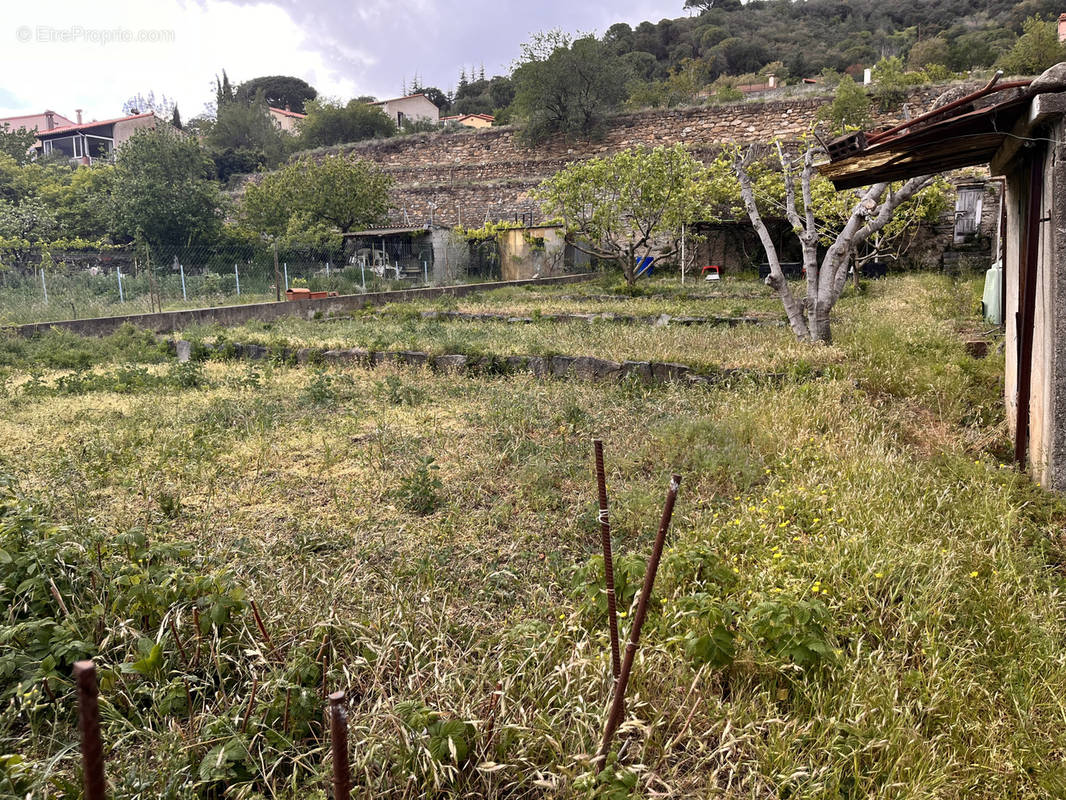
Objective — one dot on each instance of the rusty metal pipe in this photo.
(608, 559)
(92, 746)
(614, 717)
(342, 776)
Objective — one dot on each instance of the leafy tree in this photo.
(80, 201)
(1036, 49)
(929, 51)
(244, 137)
(332, 193)
(279, 91)
(223, 91)
(16, 143)
(330, 123)
(31, 221)
(850, 109)
(624, 207)
(564, 87)
(163, 189)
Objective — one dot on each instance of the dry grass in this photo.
(874, 491)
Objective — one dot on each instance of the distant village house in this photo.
(288, 121)
(470, 120)
(413, 107)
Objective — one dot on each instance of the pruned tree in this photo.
(861, 216)
(625, 207)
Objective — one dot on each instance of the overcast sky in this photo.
(68, 54)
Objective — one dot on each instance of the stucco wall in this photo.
(125, 129)
(1047, 395)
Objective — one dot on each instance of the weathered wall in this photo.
(169, 321)
(1047, 395)
(472, 176)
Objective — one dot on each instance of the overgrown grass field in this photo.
(860, 597)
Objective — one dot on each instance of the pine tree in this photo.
(175, 118)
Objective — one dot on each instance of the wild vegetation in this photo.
(860, 598)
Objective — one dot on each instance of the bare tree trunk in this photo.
(825, 281)
(794, 309)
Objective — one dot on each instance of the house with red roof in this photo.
(44, 121)
(288, 121)
(413, 107)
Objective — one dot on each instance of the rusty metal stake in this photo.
(614, 717)
(342, 777)
(608, 559)
(92, 747)
(259, 624)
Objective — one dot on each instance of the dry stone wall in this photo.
(474, 176)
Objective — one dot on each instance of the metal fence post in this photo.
(92, 747)
(181, 269)
(286, 266)
(121, 294)
(44, 286)
(237, 277)
(338, 734)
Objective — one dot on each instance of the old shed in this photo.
(1019, 130)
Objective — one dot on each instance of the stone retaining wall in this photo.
(558, 366)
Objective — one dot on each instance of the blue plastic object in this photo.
(644, 266)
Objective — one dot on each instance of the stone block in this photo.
(183, 350)
(668, 371)
(450, 363)
(638, 369)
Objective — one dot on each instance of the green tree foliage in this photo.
(80, 199)
(312, 199)
(483, 96)
(329, 123)
(16, 143)
(163, 189)
(244, 138)
(929, 51)
(279, 91)
(850, 109)
(1036, 49)
(731, 38)
(566, 87)
(624, 207)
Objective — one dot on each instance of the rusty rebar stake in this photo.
(92, 747)
(608, 559)
(338, 734)
(614, 717)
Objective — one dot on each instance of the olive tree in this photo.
(624, 207)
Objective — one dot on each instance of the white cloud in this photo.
(72, 55)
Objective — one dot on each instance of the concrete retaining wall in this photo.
(169, 321)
